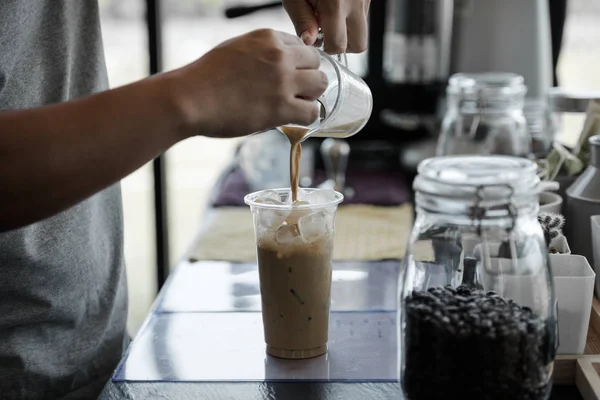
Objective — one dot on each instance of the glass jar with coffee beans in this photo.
(477, 307)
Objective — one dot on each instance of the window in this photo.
(580, 56)
(579, 60)
(124, 34)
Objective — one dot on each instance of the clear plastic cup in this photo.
(294, 248)
(345, 106)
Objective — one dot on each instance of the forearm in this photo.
(52, 157)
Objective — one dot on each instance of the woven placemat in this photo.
(363, 233)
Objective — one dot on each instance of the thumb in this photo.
(303, 16)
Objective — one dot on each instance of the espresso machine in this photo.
(414, 47)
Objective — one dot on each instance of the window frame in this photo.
(159, 166)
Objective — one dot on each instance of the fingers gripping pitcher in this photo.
(346, 105)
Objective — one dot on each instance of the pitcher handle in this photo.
(342, 59)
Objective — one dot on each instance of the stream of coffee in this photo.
(294, 135)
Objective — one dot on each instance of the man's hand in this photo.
(343, 22)
(251, 83)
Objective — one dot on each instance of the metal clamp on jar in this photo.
(477, 306)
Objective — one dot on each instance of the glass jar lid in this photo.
(483, 178)
(487, 84)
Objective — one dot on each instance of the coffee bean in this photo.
(470, 344)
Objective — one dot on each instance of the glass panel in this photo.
(225, 287)
(125, 43)
(228, 347)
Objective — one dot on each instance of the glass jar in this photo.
(485, 116)
(541, 127)
(477, 307)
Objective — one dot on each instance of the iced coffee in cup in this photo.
(294, 244)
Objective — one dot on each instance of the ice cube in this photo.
(295, 214)
(287, 234)
(265, 234)
(320, 196)
(271, 219)
(301, 194)
(328, 195)
(312, 197)
(268, 196)
(287, 197)
(314, 226)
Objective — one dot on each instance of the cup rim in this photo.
(249, 200)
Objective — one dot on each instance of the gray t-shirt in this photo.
(63, 297)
